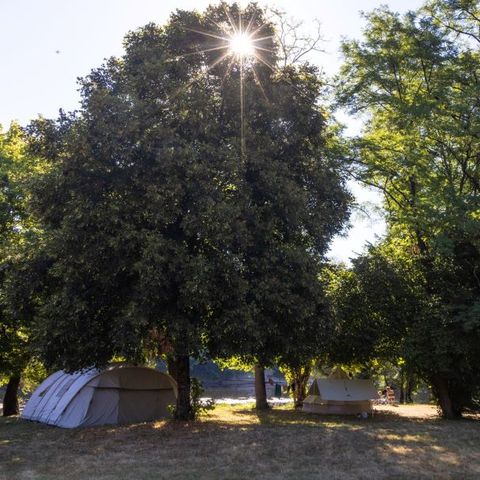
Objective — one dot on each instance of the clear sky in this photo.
(46, 44)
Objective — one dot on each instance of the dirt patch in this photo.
(409, 411)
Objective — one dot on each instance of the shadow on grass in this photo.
(240, 417)
(239, 442)
(283, 416)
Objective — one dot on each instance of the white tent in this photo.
(117, 394)
(340, 396)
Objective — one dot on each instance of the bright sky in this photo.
(45, 45)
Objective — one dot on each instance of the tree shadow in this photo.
(279, 439)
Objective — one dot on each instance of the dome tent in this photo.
(117, 394)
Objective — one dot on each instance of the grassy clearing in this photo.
(233, 442)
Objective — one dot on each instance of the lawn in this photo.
(233, 442)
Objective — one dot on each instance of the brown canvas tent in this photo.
(340, 396)
(117, 394)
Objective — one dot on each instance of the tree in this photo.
(384, 313)
(293, 44)
(18, 235)
(181, 201)
(417, 77)
(459, 17)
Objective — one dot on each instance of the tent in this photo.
(117, 394)
(340, 396)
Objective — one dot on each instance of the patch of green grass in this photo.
(234, 442)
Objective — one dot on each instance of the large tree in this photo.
(416, 77)
(188, 198)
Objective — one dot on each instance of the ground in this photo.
(234, 442)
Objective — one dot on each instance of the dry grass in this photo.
(233, 442)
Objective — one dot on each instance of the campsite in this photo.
(233, 440)
(240, 240)
(236, 442)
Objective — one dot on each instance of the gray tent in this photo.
(340, 396)
(117, 394)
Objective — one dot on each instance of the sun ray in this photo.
(259, 57)
(218, 25)
(242, 110)
(241, 43)
(228, 70)
(208, 34)
(198, 52)
(257, 29)
(252, 18)
(269, 37)
(230, 19)
(259, 83)
(200, 75)
(264, 49)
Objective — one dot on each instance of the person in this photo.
(390, 393)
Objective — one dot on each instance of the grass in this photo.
(234, 442)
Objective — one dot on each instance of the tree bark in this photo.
(260, 389)
(440, 386)
(10, 400)
(300, 379)
(402, 386)
(181, 370)
(409, 388)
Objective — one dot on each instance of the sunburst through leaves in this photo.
(242, 44)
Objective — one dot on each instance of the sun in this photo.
(241, 44)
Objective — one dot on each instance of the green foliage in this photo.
(165, 225)
(297, 377)
(198, 406)
(234, 363)
(18, 234)
(417, 77)
(167, 230)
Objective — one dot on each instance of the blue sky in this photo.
(45, 45)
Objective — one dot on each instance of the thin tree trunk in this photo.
(181, 369)
(300, 379)
(402, 385)
(409, 388)
(440, 387)
(10, 400)
(260, 389)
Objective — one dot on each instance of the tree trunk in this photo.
(300, 379)
(180, 365)
(402, 386)
(440, 386)
(260, 389)
(409, 388)
(10, 400)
